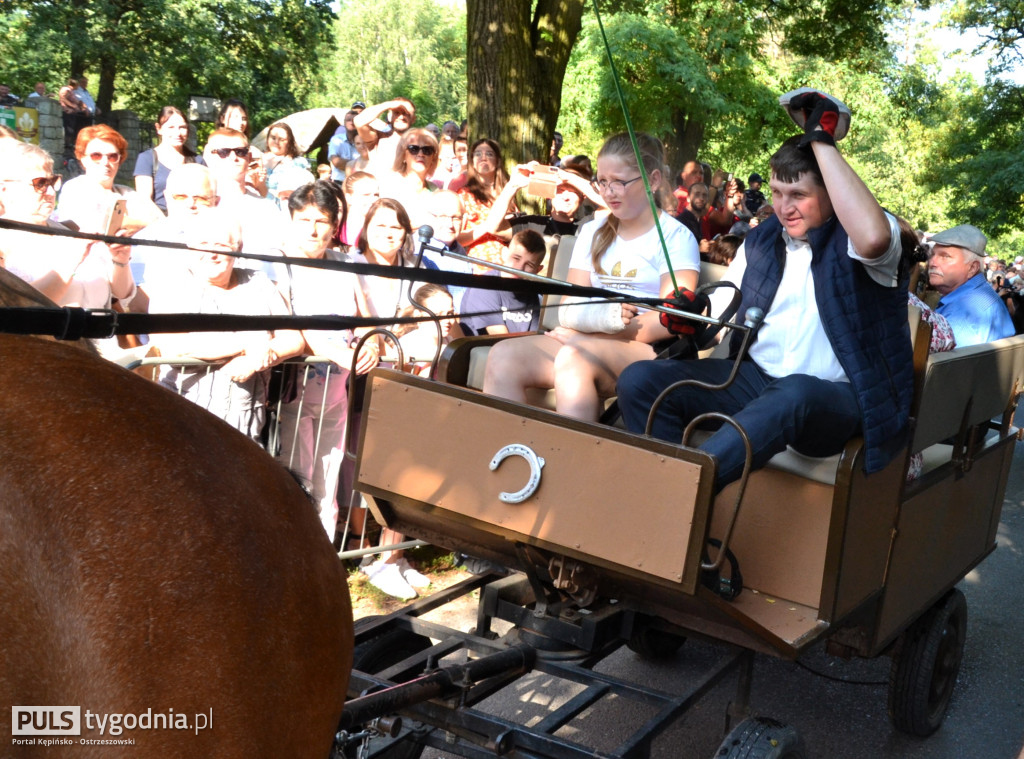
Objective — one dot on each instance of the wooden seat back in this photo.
(965, 387)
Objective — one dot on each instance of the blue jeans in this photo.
(814, 416)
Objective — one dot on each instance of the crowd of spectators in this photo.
(385, 178)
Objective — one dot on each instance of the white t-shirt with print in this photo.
(636, 266)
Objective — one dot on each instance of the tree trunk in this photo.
(105, 94)
(77, 37)
(689, 134)
(515, 65)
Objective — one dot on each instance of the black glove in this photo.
(819, 111)
(684, 300)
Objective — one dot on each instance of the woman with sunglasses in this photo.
(69, 272)
(486, 177)
(153, 165)
(287, 169)
(88, 200)
(621, 251)
(409, 183)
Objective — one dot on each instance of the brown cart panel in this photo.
(634, 506)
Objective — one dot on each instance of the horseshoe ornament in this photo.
(536, 464)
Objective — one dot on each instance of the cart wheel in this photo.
(925, 666)
(762, 738)
(654, 644)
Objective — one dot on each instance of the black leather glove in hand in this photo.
(684, 300)
(822, 117)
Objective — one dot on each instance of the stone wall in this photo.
(51, 129)
(51, 138)
(127, 123)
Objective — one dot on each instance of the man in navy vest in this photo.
(832, 358)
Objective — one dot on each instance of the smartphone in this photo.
(729, 177)
(116, 218)
(543, 182)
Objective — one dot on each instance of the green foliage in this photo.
(1001, 26)
(263, 51)
(416, 49)
(31, 57)
(713, 65)
(850, 30)
(980, 153)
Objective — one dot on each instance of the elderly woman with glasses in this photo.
(89, 199)
(67, 271)
(409, 183)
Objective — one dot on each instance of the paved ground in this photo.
(838, 720)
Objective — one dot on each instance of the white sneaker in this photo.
(415, 578)
(387, 577)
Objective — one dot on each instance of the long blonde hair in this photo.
(652, 152)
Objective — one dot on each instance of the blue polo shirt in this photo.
(341, 147)
(976, 313)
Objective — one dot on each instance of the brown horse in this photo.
(152, 559)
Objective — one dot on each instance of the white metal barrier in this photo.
(298, 403)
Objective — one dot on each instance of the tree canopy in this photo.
(143, 54)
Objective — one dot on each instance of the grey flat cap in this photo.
(964, 236)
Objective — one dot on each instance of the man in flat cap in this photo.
(956, 270)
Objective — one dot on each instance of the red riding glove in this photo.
(819, 112)
(684, 300)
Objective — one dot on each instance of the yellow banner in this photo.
(24, 121)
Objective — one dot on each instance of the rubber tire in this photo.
(653, 644)
(925, 665)
(762, 738)
(376, 655)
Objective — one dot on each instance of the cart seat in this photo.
(479, 348)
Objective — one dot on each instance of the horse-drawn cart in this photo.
(612, 537)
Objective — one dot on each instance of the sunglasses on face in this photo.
(40, 184)
(426, 150)
(225, 152)
(111, 157)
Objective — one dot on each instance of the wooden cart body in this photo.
(824, 549)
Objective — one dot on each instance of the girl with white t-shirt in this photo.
(582, 358)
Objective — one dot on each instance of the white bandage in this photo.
(578, 314)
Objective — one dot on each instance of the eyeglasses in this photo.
(199, 200)
(485, 154)
(225, 152)
(426, 150)
(446, 217)
(111, 157)
(40, 184)
(616, 186)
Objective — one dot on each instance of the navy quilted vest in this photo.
(865, 322)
